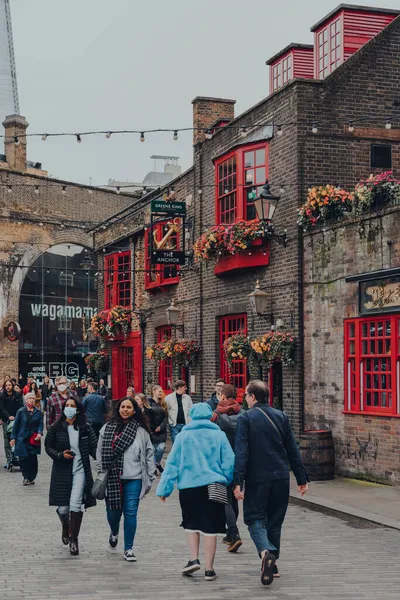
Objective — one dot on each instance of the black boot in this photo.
(64, 518)
(75, 526)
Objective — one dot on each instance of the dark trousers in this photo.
(96, 428)
(264, 508)
(29, 467)
(231, 513)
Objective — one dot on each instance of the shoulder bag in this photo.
(272, 423)
(100, 483)
(217, 492)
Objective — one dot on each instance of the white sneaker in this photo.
(129, 556)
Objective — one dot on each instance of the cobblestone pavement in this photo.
(323, 557)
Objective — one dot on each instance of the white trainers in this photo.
(129, 556)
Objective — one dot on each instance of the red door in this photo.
(126, 365)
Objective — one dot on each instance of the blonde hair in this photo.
(160, 401)
(143, 399)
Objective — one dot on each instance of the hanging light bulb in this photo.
(78, 139)
(36, 189)
(108, 135)
(351, 126)
(118, 190)
(144, 191)
(208, 134)
(90, 192)
(44, 137)
(314, 128)
(175, 135)
(279, 132)
(64, 190)
(16, 140)
(281, 189)
(9, 189)
(142, 139)
(199, 191)
(388, 124)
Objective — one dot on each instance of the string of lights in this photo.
(242, 128)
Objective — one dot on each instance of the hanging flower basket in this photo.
(182, 352)
(275, 345)
(375, 191)
(238, 347)
(230, 239)
(113, 322)
(97, 362)
(324, 203)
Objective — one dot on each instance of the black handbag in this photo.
(217, 492)
(100, 483)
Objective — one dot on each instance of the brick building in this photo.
(45, 284)
(296, 137)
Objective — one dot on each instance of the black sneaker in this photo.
(159, 468)
(191, 567)
(267, 568)
(276, 572)
(113, 540)
(210, 575)
(226, 540)
(235, 544)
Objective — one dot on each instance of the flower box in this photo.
(259, 257)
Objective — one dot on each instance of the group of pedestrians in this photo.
(221, 455)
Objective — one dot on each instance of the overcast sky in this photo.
(137, 64)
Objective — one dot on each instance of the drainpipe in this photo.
(201, 283)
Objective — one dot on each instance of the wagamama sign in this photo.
(54, 311)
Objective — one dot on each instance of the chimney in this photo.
(207, 111)
(15, 128)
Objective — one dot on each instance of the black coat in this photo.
(158, 418)
(9, 405)
(57, 440)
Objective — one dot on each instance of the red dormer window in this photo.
(237, 175)
(117, 280)
(160, 275)
(329, 48)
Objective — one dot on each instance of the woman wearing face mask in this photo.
(70, 442)
(125, 445)
(25, 436)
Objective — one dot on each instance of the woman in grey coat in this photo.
(125, 449)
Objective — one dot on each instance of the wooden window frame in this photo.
(165, 367)
(364, 383)
(227, 327)
(240, 190)
(161, 272)
(329, 41)
(117, 279)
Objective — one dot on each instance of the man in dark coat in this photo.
(216, 395)
(10, 403)
(95, 407)
(265, 447)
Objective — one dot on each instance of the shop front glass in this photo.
(58, 300)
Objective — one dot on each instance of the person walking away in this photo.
(10, 403)
(179, 404)
(82, 389)
(125, 449)
(200, 456)
(226, 417)
(95, 408)
(27, 387)
(103, 389)
(158, 425)
(46, 389)
(216, 396)
(25, 437)
(38, 395)
(70, 442)
(265, 432)
(56, 401)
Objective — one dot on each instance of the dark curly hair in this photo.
(138, 415)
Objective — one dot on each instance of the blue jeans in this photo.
(131, 491)
(264, 509)
(174, 430)
(158, 452)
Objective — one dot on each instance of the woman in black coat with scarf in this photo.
(70, 441)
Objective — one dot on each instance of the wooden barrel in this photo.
(317, 451)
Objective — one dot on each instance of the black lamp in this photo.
(266, 203)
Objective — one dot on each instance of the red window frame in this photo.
(236, 175)
(329, 48)
(282, 72)
(237, 374)
(118, 279)
(372, 365)
(165, 367)
(159, 275)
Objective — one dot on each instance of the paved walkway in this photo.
(374, 502)
(323, 557)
